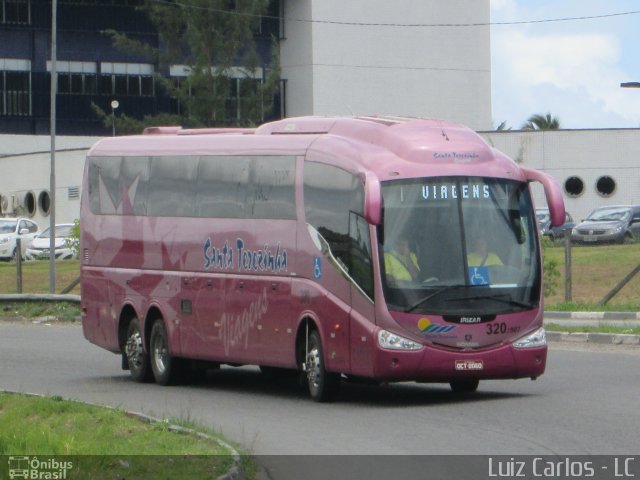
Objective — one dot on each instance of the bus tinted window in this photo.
(271, 190)
(191, 186)
(221, 187)
(171, 189)
(104, 183)
(330, 193)
(134, 174)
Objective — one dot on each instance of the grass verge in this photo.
(595, 271)
(35, 276)
(60, 311)
(104, 443)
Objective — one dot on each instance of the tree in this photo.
(226, 83)
(542, 122)
(503, 126)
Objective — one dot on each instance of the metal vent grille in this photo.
(85, 255)
(73, 193)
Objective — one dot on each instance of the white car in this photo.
(12, 229)
(40, 247)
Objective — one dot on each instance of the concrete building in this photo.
(366, 57)
(360, 57)
(24, 183)
(594, 167)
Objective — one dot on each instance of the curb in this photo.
(37, 297)
(235, 472)
(597, 338)
(594, 315)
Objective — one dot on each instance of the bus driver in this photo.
(400, 263)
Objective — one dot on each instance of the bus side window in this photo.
(330, 194)
(171, 190)
(360, 265)
(271, 192)
(221, 187)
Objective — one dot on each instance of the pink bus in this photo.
(387, 249)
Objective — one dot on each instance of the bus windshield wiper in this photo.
(433, 294)
(498, 298)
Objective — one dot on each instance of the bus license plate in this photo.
(469, 365)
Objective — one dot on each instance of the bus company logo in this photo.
(258, 260)
(218, 258)
(425, 326)
(460, 156)
(38, 469)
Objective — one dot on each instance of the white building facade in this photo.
(594, 167)
(375, 57)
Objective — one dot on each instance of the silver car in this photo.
(40, 247)
(611, 224)
(10, 230)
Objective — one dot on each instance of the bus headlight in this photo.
(535, 339)
(392, 341)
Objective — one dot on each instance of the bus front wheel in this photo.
(136, 358)
(322, 384)
(164, 366)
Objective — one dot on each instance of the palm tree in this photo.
(542, 122)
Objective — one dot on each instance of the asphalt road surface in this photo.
(587, 403)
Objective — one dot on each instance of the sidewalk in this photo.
(593, 319)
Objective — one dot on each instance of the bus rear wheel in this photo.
(165, 367)
(136, 358)
(322, 385)
(466, 385)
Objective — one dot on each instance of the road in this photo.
(585, 404)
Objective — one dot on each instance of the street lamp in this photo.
(630, 85)
(114, 104)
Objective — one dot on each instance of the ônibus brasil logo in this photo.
(38, 469)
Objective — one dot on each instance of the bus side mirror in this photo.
(552, 192)
(372, 200)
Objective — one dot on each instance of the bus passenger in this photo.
(479, 254)
(400, 263)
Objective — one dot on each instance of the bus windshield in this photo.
(459, 246)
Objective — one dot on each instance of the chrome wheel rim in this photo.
(134, 350)
(313, 367)
(160, 354)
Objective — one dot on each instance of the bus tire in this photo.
(164, 366)
(322, 385)
(136, 357)
(464, 385)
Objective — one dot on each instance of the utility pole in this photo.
(52, 128)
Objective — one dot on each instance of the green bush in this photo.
(551, 270)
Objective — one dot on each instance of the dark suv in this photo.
(611, 224)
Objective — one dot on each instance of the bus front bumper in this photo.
(434, 364)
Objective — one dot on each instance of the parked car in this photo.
(544, 223)
(12, 229)
(611, 224)
(40, 247)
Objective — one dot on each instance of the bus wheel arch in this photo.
(321, 384)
